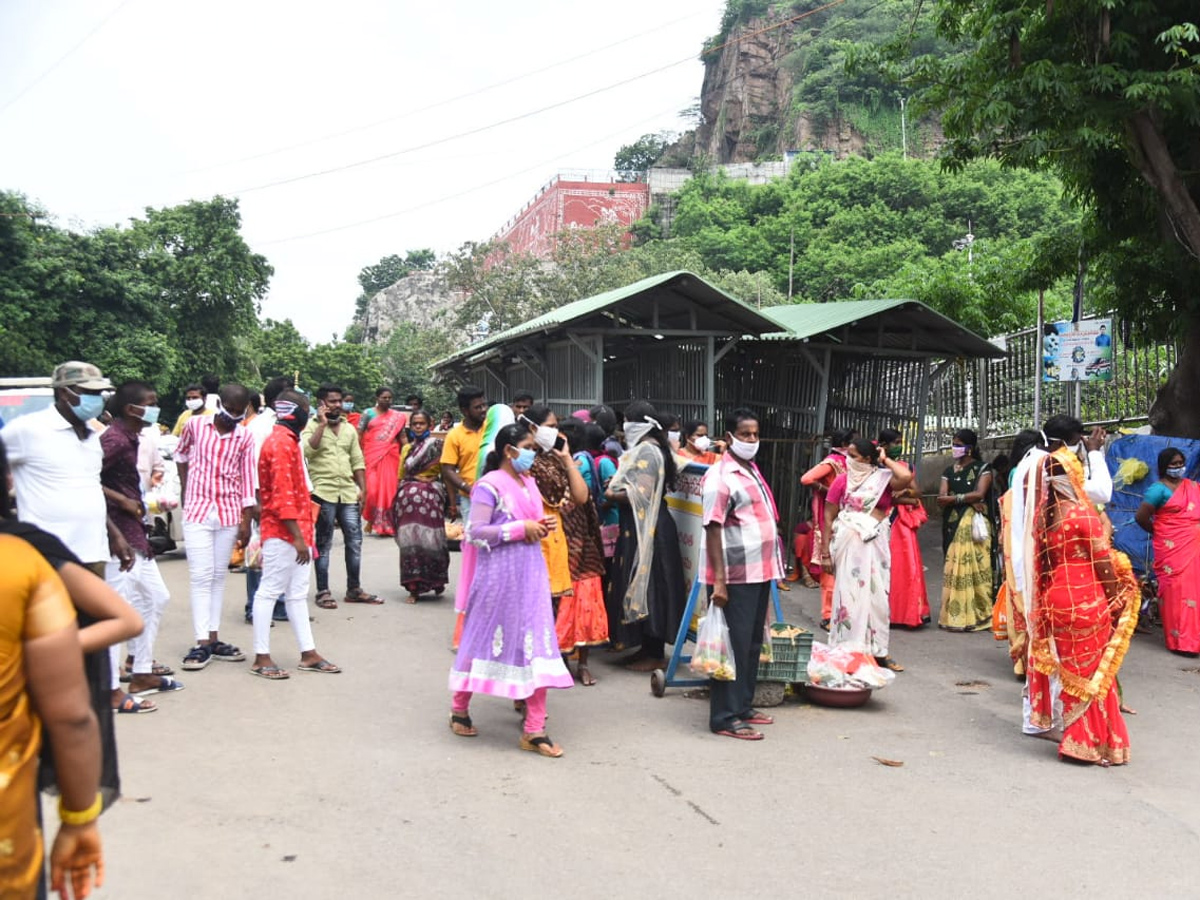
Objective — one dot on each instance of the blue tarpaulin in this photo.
(1128, 536)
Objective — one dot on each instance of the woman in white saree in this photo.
(856, 549)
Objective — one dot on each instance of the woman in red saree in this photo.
(908, 597)
(381, 432)
(1170, 511)
(820, 477)
(1082, 614)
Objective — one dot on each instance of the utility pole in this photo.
(1038, 365)
(791, 262)
(903, 127)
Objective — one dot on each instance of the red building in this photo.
(563, 204)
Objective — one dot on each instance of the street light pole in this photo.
(903, 127)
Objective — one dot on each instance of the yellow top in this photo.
(461, 449)
(183, 418)
(35, 605)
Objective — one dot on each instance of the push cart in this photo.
(660, 680)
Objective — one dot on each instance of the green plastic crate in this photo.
(789, 655)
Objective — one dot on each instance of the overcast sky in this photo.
(109, 106)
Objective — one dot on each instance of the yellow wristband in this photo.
(68, 817)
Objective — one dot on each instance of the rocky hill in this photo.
(420, 299)
(776, 82)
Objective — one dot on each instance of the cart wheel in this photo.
(658, 683)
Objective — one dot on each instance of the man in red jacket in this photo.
(287, 540)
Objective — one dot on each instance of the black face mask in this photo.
(297, 422)
(332, 417)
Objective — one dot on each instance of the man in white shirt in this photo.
(55, 459)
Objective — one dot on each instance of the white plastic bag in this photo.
(714, 651)
(980, 533)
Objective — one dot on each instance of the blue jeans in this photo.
(347, 517)
(253, 577)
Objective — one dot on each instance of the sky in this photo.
(110, 106)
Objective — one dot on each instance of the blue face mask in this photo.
(88, 407)
(347, 406)
(525, 458)
(149, 415)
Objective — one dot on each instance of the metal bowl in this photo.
(841, 698)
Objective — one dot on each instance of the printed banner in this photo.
(1078, 351)
(686, 508)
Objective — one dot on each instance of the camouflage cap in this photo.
(80, 374)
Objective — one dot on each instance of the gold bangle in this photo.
(68, 817)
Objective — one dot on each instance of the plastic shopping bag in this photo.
(980, 533)
(714, 652)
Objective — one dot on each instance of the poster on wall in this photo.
(1078, 351)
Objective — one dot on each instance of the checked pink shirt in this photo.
(220, 473)
(739, 499)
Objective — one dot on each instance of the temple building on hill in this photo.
(571, 201)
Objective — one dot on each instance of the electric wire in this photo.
(439, 104)
(58, 62)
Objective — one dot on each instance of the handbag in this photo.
(608, 537)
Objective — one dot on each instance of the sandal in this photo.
(825, 624)
(361, 596)
(165, 686)
(271, 673)
(325, 600)
(888, 663)
(585, 676)
(132, 704)
(323, 666)
(155, 669)
(461, 725)
(741, 731)
(540, 743)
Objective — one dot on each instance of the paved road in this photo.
(353, 786)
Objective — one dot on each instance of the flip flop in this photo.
(541, 744)
(741, 731)
(758, 718)
(362, 597)
(462, 725)
(165, 686)
(325, 667)
(271, 673)
(133, 705)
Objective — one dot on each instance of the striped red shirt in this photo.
(220, 473)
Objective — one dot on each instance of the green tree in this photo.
(632, 160)
(1106, 94)
(503, 288)
(205, 277)
(353, 367)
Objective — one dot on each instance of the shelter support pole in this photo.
(1037, 360)
(594, 352)
(822, 403)
(922, 411)
(981, 367)
(710, 381)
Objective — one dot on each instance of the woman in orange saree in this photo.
(381, 431)
(1170, 511)
(1082, 613)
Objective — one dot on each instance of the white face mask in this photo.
(1077, 449)
(635, 431)
(746, 450)
(673, 436)
(702, 443)
(545, 436)
(194, 404)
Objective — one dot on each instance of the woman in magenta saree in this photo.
(1170, 511)
(382, 433)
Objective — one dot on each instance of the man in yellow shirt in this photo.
(193, 399)
(460, 453)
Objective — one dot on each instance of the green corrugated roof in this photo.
(802, 320)
(748, 319)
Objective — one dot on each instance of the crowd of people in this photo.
(567, 545)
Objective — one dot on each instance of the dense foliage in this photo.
(1105, 94)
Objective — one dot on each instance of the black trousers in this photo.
(746, 615)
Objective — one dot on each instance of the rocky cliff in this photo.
(421, 299)
(751, 108)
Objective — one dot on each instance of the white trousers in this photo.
(142, 588)
(209, 545)
(282, 575)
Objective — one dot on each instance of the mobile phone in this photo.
(560, 442)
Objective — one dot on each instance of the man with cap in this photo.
(55, 458)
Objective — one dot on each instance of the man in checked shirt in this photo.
(217, 480)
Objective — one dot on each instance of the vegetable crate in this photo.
(791, 648)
